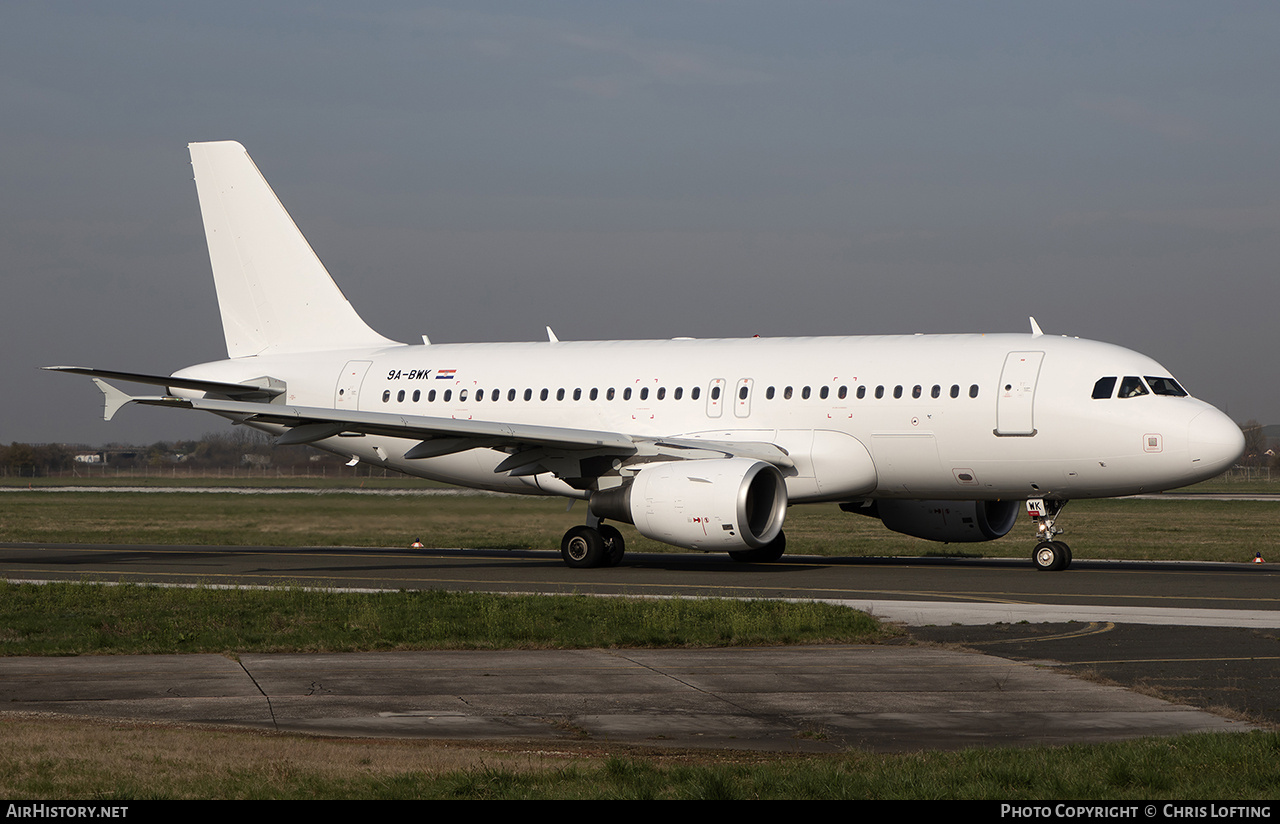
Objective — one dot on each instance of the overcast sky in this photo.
(477, 171)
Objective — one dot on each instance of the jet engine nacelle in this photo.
(949, 521)
(718, 505)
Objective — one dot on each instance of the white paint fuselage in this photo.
(1027, 434)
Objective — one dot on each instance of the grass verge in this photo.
(1129, 529)
(80, 619)
(111, 762)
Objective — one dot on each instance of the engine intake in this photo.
(719, 505)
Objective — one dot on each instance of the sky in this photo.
(478, 171)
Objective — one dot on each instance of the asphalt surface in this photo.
(792, 699)
(1010, 673)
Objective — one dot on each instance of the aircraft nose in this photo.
(1216, 443)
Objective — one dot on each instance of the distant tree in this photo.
(20, 459)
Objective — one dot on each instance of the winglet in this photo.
(1035, 328)
(113, 399)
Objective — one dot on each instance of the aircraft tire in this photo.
(615, 547)
(1066, 551)
(1049, 556)
(583, 548)
(766, 554)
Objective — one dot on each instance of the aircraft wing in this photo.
(533, 448)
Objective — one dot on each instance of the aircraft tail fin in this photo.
(274, 293)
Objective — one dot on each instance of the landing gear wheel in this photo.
(614, 546)
(1051, 556)
(766, 554)
(583, 548)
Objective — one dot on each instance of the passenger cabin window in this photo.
(1131, 387)
(1103, 388)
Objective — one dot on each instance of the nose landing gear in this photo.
(1049, 555)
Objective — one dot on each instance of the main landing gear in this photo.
(587, 546)
(1049, 555)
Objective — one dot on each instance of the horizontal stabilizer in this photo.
(235, 391)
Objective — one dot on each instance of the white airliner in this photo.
(701, 444)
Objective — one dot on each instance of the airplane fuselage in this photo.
(955, 417)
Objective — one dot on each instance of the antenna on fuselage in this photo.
(1035, 328)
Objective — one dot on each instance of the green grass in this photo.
(117, 762)
(1121, 529)
(79, 619)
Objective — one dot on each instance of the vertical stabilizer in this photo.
(274, 293)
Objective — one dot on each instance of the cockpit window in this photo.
(1131, 387)
(1103, 388)
(1166, 386)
